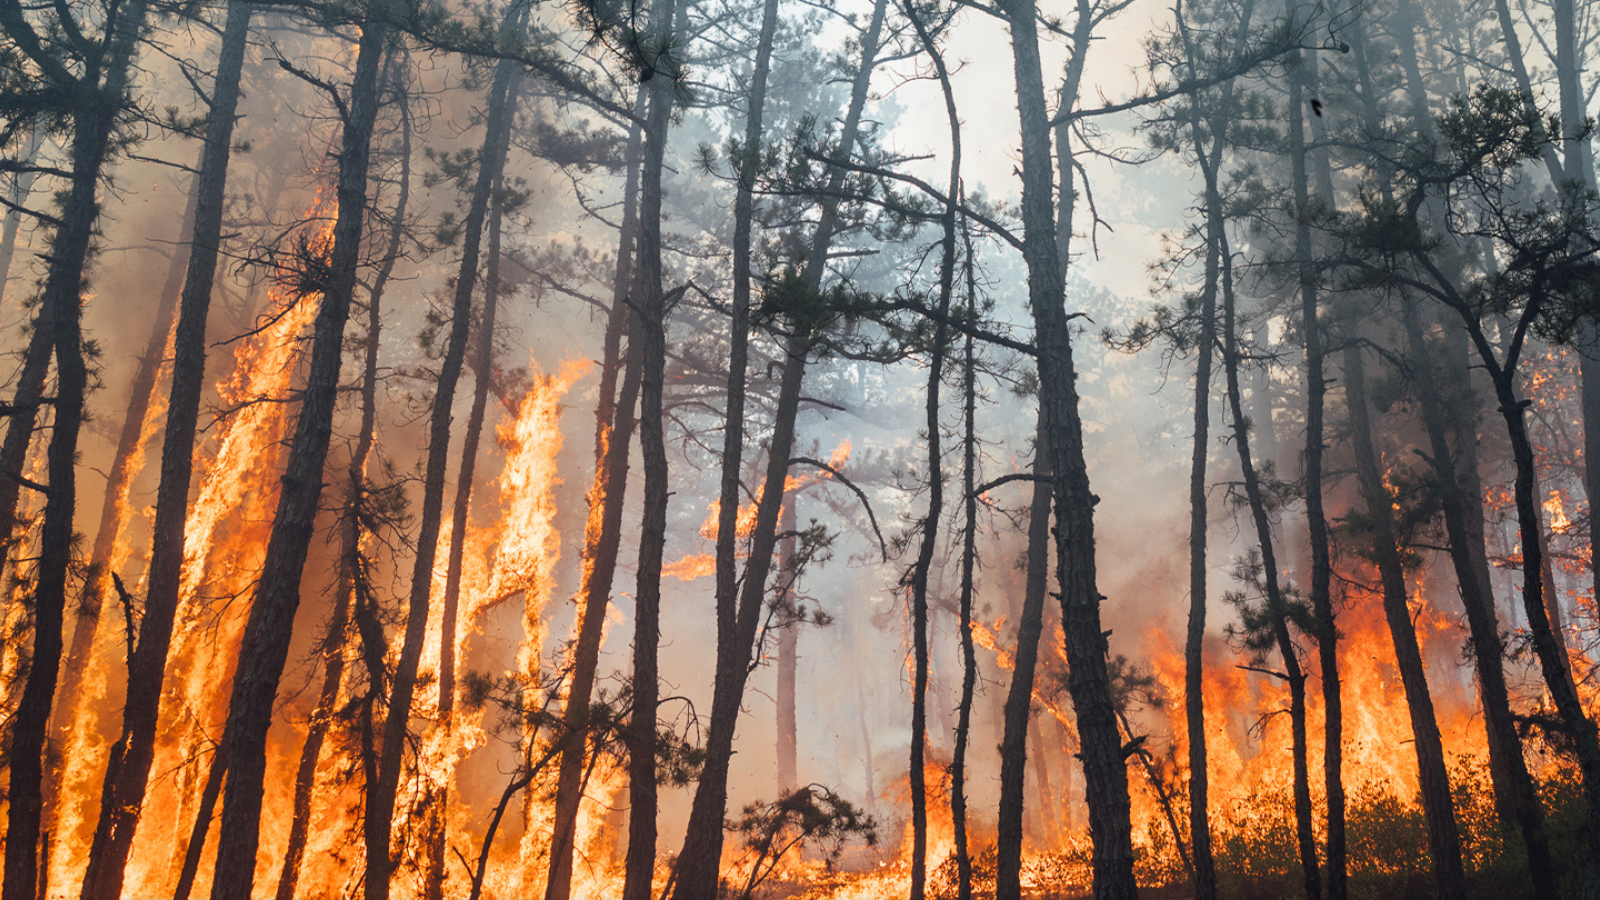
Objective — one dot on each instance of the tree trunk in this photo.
(1303, 84)
(969, 561)
(1276, 610)
(128, 770)
(1461, 502)
(379, 813)
(265, 647)
(60, 317)
(930, 535)
(1209, 160)
(1516, 795)
(699, 862)
(202, 825)
(788, 664)
(21, 187)
(502, 102)
(1579, 727)
(602, 535)
(1444, 843)
(1105, 769)
(108, 551)
(335, 646)
(650, 331)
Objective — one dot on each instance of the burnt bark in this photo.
(1444, 843)
(335, 646)
(265, 646)
(615, 418)
(100, 103)
(1104, 762)
(128, 770)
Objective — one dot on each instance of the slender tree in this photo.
(615, 420)
(1105, 770)
(650, 331)
(98, 98)
(128, 770)
(335, 647)
(699, 861)
(266, 640)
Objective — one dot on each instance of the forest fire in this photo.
(1284, 586)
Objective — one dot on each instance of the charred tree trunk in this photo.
(1105, 767)
(128, 770)
(1444, 843)
(265, 647)
(602, 536)
(335, 646)
(1275, 614)
(1303, 85)
(698, 863)
(60, 317)
(930, 531)
(650, 331)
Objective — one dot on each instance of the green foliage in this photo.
(1259, 614)
(812, 817)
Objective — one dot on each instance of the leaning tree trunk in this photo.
(1275, 620)
(128, 771)
(1553, 662)
(614, 415)
(60, 318)
(1105, 770)
(1516, 793)
(108, 548)
(1461, 505)
(698, 863)
(491, 163)
(1444, 843)
(334, 649)
(265, 647)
